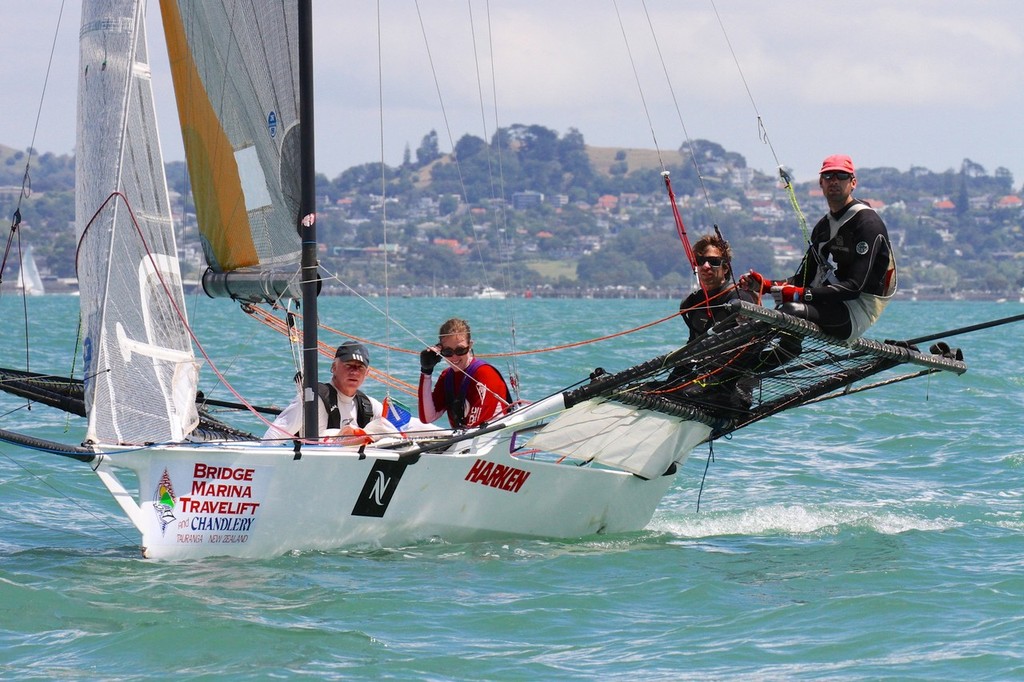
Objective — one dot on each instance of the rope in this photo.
(762, 132)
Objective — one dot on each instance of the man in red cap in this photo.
(848, 274)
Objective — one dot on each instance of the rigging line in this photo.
(24, 304)
(762, 130)
(676, 215)
(383, 193)
(503, 238)
(167, 292)
(639, 87)
(503, 206)
(679, 113)
(325, 349)
(260, 312)
(478, 244)
(444, 111)
(711, 458)
(480, 90)
(576, 344)
(74, 501)
(26, 180)
(377, 309)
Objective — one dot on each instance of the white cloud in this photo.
(897, 84)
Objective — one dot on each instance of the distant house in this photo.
(944, 205)
(524, 200)
(1010, 201)
(453, 244)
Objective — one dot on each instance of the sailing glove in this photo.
(756, 282)
(428, 360)
(788, 293)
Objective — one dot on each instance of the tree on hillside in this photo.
(428, 151)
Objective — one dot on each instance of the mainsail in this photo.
(140, 371)
(29, 280)
(234, 65)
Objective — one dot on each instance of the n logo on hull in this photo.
(379, 488)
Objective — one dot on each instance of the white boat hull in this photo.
(258, 501)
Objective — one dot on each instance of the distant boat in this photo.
(29, 280)
(490, 292)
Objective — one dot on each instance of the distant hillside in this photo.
(12, 165)
(604, 159)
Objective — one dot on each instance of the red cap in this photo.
(837, 162)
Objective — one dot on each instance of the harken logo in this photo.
(379, 488)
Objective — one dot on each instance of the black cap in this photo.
(353, 350)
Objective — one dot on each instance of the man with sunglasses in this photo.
(469, 390)
(706, 305)
(732, 388)
(848, 274)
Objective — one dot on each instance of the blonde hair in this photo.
(454, 326)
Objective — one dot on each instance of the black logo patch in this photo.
(379, 488)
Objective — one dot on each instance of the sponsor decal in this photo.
(272, 123)
(164, 502)
(862, 248)
(379, 488)
(219, 507)
(497, 475)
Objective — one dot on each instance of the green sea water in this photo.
(879, 536)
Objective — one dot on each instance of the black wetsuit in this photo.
(849, 255)
(695, 308)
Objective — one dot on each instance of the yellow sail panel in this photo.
(220, 201)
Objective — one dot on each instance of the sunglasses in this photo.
(836, 176)
(448, 352)
(709, 260)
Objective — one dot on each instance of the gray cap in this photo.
(353, 350)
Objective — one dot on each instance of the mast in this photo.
(307, 223)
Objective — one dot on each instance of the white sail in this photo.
(29, 280)
(140, 371)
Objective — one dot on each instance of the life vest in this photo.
(329, 394)
(456, 398)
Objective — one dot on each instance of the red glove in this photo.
(789, 293)
(756, 282)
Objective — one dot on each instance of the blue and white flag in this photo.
(396, 413)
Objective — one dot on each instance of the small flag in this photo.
(396, 413)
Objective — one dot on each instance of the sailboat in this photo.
(595, 458)
(29, 280)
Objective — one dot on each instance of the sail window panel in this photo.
(254, 181)
(235, 81)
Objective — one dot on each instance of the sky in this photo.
(898, 84)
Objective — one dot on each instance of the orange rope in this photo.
(327, 350)
(266, 317)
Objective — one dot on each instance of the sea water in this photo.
(876, 536)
